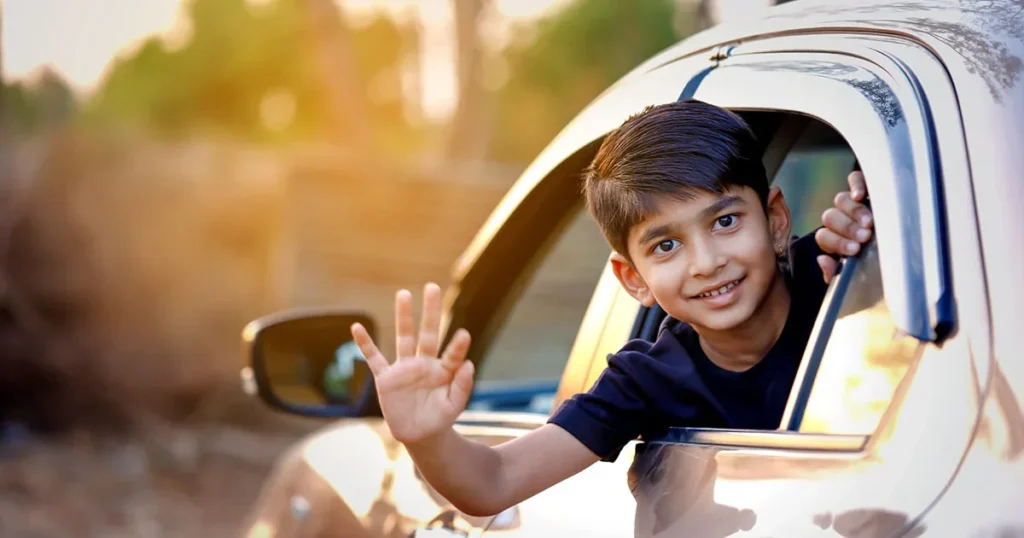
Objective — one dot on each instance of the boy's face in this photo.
(709, 261)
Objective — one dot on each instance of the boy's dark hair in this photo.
(669, 150)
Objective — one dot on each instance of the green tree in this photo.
(563, 62)
(255, 71)
(45, 101)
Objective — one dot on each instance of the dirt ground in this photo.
(171, 482)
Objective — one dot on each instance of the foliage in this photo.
(45, 101)
(568, 59)
(250, 71)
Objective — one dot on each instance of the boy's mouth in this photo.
(718, 290)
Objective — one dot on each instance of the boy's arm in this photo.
(482, 480)
(421, 395)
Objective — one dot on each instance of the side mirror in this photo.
(305, 362)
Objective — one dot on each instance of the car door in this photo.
(887, 396)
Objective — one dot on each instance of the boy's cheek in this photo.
(667, 288)
(753, 249)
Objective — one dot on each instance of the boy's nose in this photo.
(705, 259)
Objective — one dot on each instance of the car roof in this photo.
(958, 23)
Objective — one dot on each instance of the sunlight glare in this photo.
(356, 474)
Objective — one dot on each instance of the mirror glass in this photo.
(313, 362)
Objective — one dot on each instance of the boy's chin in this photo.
(722, 320)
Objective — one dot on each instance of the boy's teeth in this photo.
(719, 291)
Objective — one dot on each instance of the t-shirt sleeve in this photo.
(614, 411)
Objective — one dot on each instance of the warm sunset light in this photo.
(78, 38)
(511, 268)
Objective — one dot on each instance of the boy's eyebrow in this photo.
(655, 232)
(719, 205)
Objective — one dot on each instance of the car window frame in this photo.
(894, 209)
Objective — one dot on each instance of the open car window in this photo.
(812, 113)
(858, 356)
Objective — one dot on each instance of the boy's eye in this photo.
(666, 246)
(725, 221)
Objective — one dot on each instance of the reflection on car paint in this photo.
(873, 88)
(998, 63)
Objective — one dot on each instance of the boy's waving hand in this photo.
(420, 394)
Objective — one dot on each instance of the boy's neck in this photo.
(742, 347)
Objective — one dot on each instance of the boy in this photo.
(681, 195)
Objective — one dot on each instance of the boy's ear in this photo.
(780, 224)
(631, 280)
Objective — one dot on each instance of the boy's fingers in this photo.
(828, 266)
(858, 186)
(405, 340)
(841, 224)
(430, 323)
(833, 243)
(462, 386)
(455, 354)
(855, 210)
(374, 358)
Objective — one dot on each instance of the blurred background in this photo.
(171, 169)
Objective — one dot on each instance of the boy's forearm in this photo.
(467, 473)
(481, 480)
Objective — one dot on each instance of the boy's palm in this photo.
(420, 394)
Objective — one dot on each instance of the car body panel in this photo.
(986, 495)
(353, 479)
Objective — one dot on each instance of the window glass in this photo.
(533, 344)
(864, 361)
(866, 357)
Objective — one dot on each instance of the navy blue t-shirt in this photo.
(650, 387)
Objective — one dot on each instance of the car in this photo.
(905, 418)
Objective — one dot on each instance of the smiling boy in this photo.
(682, 197)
